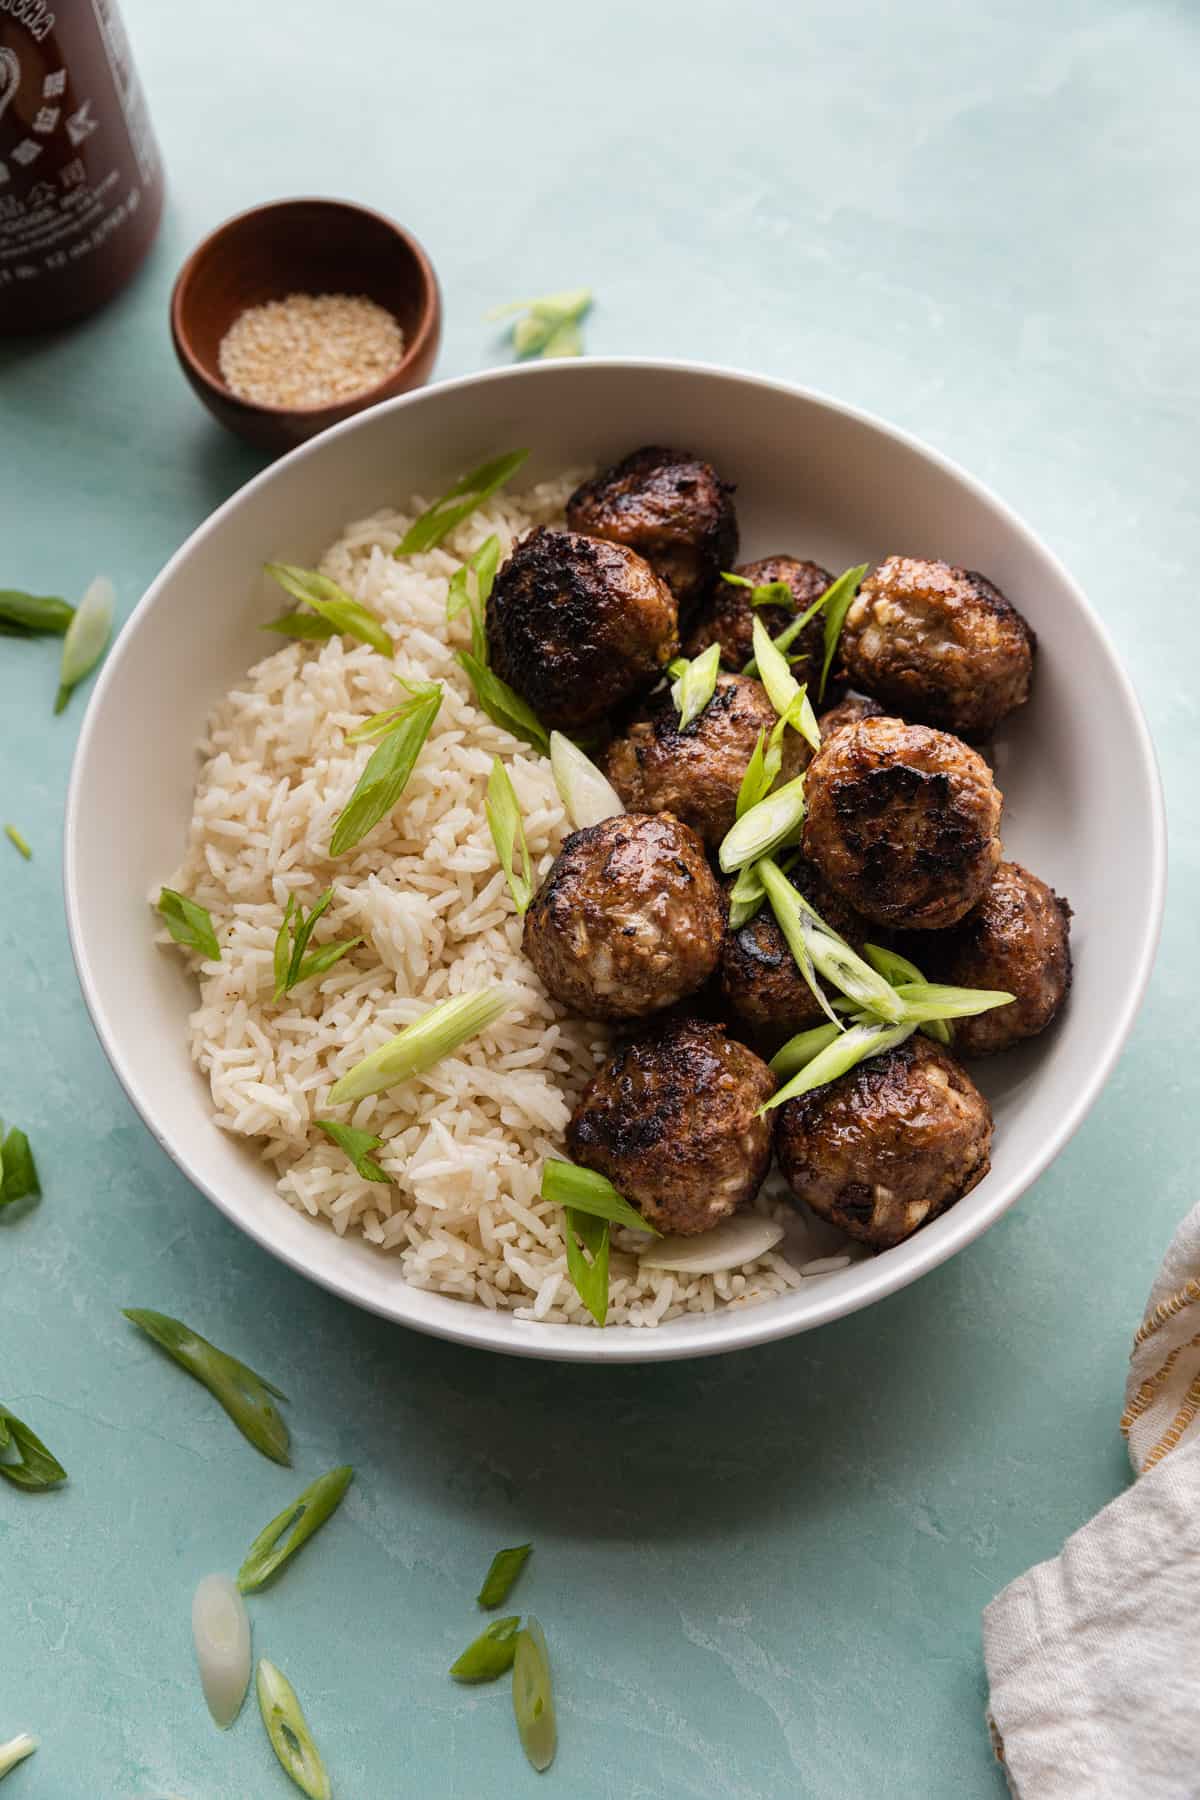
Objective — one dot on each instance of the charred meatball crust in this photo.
(672, 509)
(727, 617)
(696, 773)
(889, 1145)
(1018, 940)
(628, 920)
(576, 626)
(938, 644)
(760, 984)
(672, 1120)
(903, 822)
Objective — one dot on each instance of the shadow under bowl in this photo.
(307, 246)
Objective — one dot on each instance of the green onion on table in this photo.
(86, 638)
(292, 1528)
(533, 1696)
(287, 1728)
(35, 1468)
(18, 841)
(490, 1654)
(18, 1171)
(15, 1751)
(503, 1570)
(246, 1397)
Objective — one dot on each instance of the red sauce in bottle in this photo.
(80, 176)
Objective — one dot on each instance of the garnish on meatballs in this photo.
(759, 980)
(672, 509)
(576, 626)
(1018, 939)
(628, 920)
(903, 822)
(888, 1145)
(727, 616)
(938, 644)
(696, 773)
(672, 1120)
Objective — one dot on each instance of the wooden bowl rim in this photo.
(413, 351)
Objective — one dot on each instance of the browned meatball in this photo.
(938, 644)
(848, 711)
(672, 1120)
(727, 617)
(902, 821)
(1018, 940)
(760, 983)
(576, 626)
(672, 509)
(628, 919)
(888, 1145)
(696, 773)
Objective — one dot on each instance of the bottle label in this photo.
(77, 154)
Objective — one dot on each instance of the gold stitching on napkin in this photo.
(1177, 1427)
(1167, 1309)
(1148, 1391)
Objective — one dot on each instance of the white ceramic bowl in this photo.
(1076, 766)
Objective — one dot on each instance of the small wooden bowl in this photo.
(307, 247)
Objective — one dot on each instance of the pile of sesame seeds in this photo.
(310, 349)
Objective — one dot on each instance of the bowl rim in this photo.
(740, 1329)
(372, 396)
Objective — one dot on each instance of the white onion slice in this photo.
(727, 1246)
(588, 795)
(221, 1630)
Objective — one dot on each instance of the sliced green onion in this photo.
(309, 627)
(566, 1184)
(838, 602)
(483, 564)
(926, 1000)
(35, 612)
(550, 326)
(766, 827)
(18, 1171)
(586, 792)
(381, 723)
(746, 897)
(293, 963)
(459, 502)
(796, 927)
(420, 1045)
(696, 686)
(386, 775)
(221, 1634)
(35, 1468)
(245, 1396)
(502, 705)
(799, 1051)
(508, 835)
(505, 1566)
(357, 1145)
(331, 603)
(533, 1696)
(808, 934)
(18, 842)
(851, 1048)
(189, 923)
(763, 593)
(293, 1527)
(786, 694)
(491, 1653)
(287, 1728)
(757, 781)
(831, 596)
(897, 969)
(738, 1240)
(86, 637)
(585, 1233)
(15, 1751)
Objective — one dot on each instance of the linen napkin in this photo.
(1093, 1658)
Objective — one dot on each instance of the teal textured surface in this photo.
(760, 1577)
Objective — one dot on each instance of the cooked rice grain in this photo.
(463, 1144)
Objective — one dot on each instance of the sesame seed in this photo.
(310, 349)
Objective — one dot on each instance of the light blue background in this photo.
(760, 1577)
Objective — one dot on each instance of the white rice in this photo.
(463, 1144)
